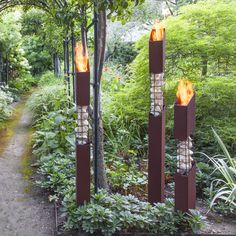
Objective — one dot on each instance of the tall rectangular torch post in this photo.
(185, 182)
(156, 126)
(82, 92)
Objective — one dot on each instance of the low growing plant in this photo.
(223, 189)
(110, 213)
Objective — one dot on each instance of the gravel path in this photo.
(24, 209)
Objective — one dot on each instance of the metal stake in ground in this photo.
(184, 124)
(82, 91)
(156, 127)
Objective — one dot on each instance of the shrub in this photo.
(5, 109)
(48, 78)
(48, 98)
(53, 139)
(23, 84)
(54, 145)
(123, 53)
(110, 213)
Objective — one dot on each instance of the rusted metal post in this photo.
(82, 91)
(185, 177)
(156, 126)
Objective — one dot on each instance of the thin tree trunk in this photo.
(102, 180)
(101, 172)
(57, 68)
(169, 8)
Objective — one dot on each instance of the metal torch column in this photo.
(156, 126)
(185, 177)
(82, 91)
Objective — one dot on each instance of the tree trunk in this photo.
(57, 66)
(101, 172)
(102, 180)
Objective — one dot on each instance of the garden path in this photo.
(24, 209)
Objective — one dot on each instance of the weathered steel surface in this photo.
(156, 158)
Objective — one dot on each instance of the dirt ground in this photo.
(216, 224)
(24, 209)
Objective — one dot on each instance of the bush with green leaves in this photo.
(110, 213)
(48, 98)
(23, 84)
(12, 92)
(54, 145)
(53, 139)
(12, 53)
(123, 53)
(48, 78)
(5, 110)
(58, 171)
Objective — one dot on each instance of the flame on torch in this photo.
(185, 92)
(157, 33)
(81, 58)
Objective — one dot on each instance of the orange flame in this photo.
(81, 58)
(157, 33)
(185, 92)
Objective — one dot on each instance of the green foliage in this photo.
(12, 93)
(215, 94)
(122, 149)
(58, 173)
(23, 85)
(34, 41)
(39, 58)
(226, 185)
(204, 177)
(47, 99)
(10, 46)
(49, 79)
(53, 139)
(123, 53)
(68, 13)
(110, 213)
(5, 110)
(147, 12)
(201, 38)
